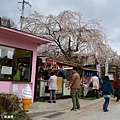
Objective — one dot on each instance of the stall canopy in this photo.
(88, 69)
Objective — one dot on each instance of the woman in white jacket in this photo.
(95, 87)
(52, 83)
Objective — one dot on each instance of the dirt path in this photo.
(61, 110)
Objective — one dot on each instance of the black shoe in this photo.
(49, 101)
(73, 109)
(78, 108)
(54, 101)
(106, 110)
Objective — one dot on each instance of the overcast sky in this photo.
(108, 11)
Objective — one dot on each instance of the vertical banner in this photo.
(106, 68)
(98, 69)
(43, 59)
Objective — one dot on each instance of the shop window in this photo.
(11, 59)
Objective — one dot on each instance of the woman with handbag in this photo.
(52, 83)
(94, 85)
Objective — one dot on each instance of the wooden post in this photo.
(82, 83)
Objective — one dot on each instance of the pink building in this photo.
(18, 47)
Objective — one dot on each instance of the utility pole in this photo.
(22, 12)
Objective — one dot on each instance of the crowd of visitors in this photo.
(98, 86)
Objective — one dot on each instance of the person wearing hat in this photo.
(17, 74)
(74, 85)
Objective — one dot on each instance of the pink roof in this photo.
(24, 35)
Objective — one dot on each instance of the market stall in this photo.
(17, 47)
(62, 80)
(86, 74)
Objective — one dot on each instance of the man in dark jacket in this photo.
(117, 88)
(107, 90)
(74, 84)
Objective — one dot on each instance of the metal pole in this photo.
(22, 15)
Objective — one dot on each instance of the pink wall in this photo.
(17, 88)
(5, 87)
(17, 41)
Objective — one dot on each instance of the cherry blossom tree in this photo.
(72, 38)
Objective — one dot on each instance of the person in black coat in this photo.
(117, 89)
(107, 90)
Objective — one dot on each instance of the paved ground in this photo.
(90, 110)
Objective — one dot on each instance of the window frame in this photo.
(17, 62)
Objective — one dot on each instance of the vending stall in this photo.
(16, 48)
(63, 71)
(113, 72)
(86, 74)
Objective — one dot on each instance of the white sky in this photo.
(108, 11)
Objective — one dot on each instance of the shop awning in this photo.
(88, 69)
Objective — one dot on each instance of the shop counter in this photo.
(42, 84)
(65, 88)
(42, 92)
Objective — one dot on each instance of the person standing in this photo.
(17, 73)
(74, 85)
(52, 83)
(117, 89)
(107, 90)
(114, 87)
(95, 88)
